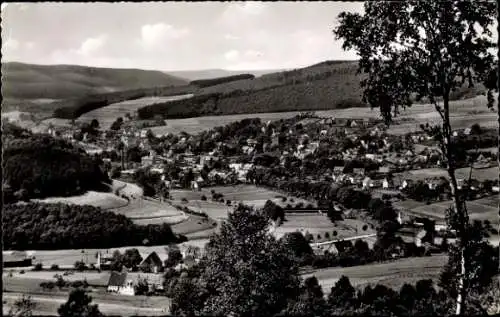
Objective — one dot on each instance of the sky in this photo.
(174, 35)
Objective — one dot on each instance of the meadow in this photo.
(392, 274)
(250, 195)
(321, 227)
(109, 304)
(96, 199)
(461, 173)
(481, 209)
(107, 115)
(464, 113)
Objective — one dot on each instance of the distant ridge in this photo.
(30, 81)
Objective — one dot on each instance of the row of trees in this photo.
(73, 108)
(59, 226)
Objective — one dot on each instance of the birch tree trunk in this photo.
(459, 207)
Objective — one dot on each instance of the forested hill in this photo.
(38, 166)
(323, 86)
(327, 85)
(28, 81)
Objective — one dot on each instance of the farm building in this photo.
(16, 259)
(151, 263)
(103, 262)
(119, 284)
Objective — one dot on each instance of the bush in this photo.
(335, 233)
(318, 236)
(38, 267)
(365, 227)
(184, 200)
(54, 267)
(80, 266)
(327, 235)
(228, 202)
(203, 198)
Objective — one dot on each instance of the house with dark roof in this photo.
(151, 263)
(118, 283)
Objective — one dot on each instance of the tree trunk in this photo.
(458, 204)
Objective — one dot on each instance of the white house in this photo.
(367, 182)
(119, 284)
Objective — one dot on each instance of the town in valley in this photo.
(162, 194)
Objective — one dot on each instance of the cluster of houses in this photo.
(152, 264)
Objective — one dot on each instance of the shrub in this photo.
(77, 284)
(38, 267)
(283, 199)
(203, 197)
(327, 235)
(318, 236)
(228, 202)
(80, 266)
(335, 233)
(54, 267)
(184, 200)
(365, 227)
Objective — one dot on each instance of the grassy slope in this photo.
(27, 81)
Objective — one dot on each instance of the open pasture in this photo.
(482, 174)
(480, 209)
(144, 208)
(93, 198)
(393, 274)
(193, 225)
(464, 113)
(247, 194)
(107, 115)
(109, 304)
(321, 227)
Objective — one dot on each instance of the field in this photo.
(97, 199)
(480, 209)
(393, 274)
(109, 304)
(317, 224)
(464, 113)
(107, 115)
(461, 173)
(247, 194)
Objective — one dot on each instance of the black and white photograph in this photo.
(250, 158)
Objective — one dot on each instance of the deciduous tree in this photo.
(423, 49)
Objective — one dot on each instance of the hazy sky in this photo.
(174, 36)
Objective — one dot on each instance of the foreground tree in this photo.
(23, 307)
(247, 272)
(78, 305)
(423, 49)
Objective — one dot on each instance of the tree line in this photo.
(73, 108)
(202, 83)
